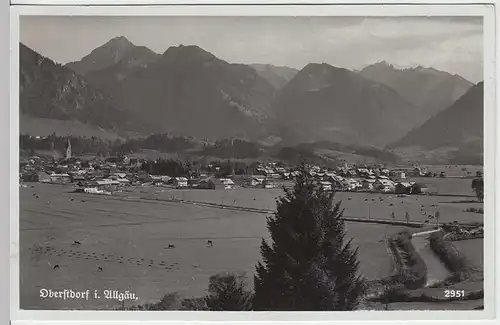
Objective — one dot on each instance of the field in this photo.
(355, 204)
(473, 249)
(127, 232)
(128, 238)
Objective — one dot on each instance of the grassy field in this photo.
(128, 239)
(117, 235)
(473, 249)
(447, 186)
(355, 204)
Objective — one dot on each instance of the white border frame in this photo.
(488, 13)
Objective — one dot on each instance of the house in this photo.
(77, 178)
(30, 177)
(419, 188)
(384, 185)
(367, 184)
(267, 183)
(227, 183)
(351, 184)
(206, 184)
(402, 188)
(123, 181)
(120, 175)
(60, 178)
(257, 179)
(43, 177)
(325, 186)
(180, 182)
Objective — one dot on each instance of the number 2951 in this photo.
(454, 293)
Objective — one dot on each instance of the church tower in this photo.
(68, 150)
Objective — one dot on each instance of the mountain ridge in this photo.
(430, 89)
(118, 49)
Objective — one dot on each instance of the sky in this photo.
(450, 44)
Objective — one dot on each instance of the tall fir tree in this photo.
(307, 266)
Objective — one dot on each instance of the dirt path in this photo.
(436, 271)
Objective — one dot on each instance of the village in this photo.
(105, 175)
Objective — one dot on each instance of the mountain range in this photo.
(50, 91)
(429, 89)
(466, 117)
(189, 91)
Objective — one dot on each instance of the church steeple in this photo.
(68, 149)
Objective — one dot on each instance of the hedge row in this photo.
(452, 258)
(412, 271)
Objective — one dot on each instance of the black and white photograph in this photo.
(252, 163)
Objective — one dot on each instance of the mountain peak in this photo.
(381, 65)
(116, 50)
(188, 53)
(119, 42)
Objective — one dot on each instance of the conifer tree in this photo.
(307, 266)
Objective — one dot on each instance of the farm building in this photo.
(267, 183)
(227, 183)
(367, 184)
(180, 181)
(77, 178)
(206, 184)
(419, 188)
(402, 188)
(351, 184)
(384, 185)
(257, 180)
(60, 178)
(325, 186)
(36, 177)
(43, 177)
(107, 184)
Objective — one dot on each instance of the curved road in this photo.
(436, 271)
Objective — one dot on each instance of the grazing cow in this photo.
(56, 266)
(37, 197)
(170, 246)
(209, 243)
(77, 243)
(99, 269)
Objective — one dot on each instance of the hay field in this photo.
(473, 249)
(363, 205)
(129, 239)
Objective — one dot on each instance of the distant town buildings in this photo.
(113, 173)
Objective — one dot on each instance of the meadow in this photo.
(129, 238)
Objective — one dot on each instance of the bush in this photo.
(228, 292)
(194, 304)
(452, 258)
(412, 271)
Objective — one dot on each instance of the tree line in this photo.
(166, 143)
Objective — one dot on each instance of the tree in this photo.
(308, 266)
(436, 216)
(407, 217)
(228, 292)
(478, 187)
